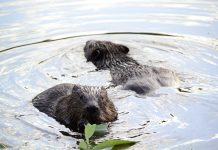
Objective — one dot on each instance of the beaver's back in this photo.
(142, 78)
(46, 100)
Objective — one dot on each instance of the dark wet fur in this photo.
(76, 105)
(125, 70)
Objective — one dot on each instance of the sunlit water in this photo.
(181, 36)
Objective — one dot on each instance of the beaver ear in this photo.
(103, 92)
(124, 49)
(77, 90)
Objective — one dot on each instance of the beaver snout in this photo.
(92, 109)
(91, 53)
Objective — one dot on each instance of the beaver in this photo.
(76, 105)
(125, 70)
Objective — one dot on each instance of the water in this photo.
(41, 44)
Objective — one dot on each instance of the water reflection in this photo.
(181, 117)
(23, 22)
(169, 116)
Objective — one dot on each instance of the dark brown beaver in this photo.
(125, 70)
(76, 105)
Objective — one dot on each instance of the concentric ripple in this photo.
(177, 116)
(42, 45)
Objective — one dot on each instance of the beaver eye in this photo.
(83, 99)
(96, 54)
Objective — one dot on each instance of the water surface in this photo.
(41, 44)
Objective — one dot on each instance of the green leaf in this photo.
(112, 143)
(101, 129)
(83, 145)
(3, 146)
(89, 131)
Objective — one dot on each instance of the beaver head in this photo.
(85, 105)
(104, 53)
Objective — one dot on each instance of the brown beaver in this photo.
(76, 105)
(125, 70)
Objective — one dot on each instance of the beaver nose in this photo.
(92, 109)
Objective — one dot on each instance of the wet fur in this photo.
(67, 104)
(125, 70)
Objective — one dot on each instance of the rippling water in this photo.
(41, 44)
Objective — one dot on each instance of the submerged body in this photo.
(125, 70)
(76, 105)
